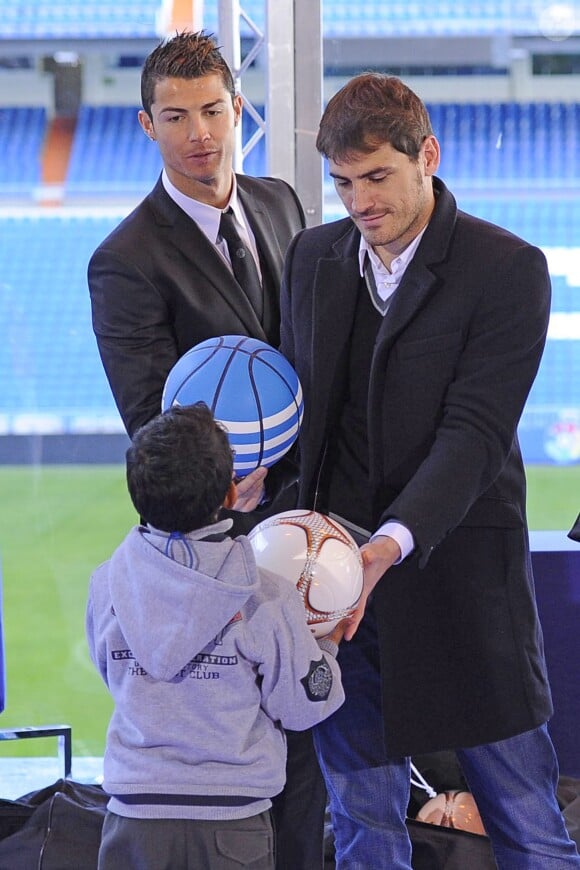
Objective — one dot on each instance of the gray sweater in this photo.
(207, 660)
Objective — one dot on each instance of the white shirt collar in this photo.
(398, 265)
(207, 217)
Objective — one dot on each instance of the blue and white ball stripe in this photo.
(251, 389)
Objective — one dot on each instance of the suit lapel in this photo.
(210, 274)
(270, 253)
(262, 227)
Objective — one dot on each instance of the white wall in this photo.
(105, 84)
(26, 88)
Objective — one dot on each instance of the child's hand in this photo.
(337, 633)
(250, 490)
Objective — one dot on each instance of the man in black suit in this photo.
(417, 331)
(163, 281)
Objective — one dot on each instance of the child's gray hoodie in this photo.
(207, 660)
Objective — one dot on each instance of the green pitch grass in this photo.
(56, 525)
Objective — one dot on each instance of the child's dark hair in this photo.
(179, 469)
(183, 56)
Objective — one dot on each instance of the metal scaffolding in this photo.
(290, 46)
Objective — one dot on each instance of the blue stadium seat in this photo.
(44, 19)
(512, 164)
(110, 153)
(48, 356)
(115, 19)
(375, 18)
(22, 132)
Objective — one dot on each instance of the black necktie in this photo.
(243, 263)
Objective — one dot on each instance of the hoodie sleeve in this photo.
(97, 646)
(301, 683)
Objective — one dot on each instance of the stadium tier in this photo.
(44, 19)
(110, 153)
(512, 164)
(375, 18)
(52, 378)
(483, 144)
(22, 132)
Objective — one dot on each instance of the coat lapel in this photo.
(333, 306)
(420, 280)
(412, 293)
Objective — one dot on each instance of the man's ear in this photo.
(238, 102)
(431, 155)
(146, 124)
(231, 496)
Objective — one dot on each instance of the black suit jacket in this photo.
(158, 287)
(455, 357)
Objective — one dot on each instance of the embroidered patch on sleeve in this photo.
(318, 680)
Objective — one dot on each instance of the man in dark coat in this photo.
(163, 281)
(417, 331)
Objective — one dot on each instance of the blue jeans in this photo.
(513, 782)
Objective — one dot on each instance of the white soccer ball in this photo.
(319, 557)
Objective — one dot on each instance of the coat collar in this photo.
(420, 280)
(337, 275)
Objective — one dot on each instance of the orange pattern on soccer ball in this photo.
(320, 529)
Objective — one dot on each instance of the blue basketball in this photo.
(250, 388)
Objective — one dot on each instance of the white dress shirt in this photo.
(207, 217)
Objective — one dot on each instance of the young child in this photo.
(207, 659)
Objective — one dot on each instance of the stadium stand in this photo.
(373, 19)
(22, 132)
(110, 154)
(513, 163)
(43, 19)
(510, 164)
(52, 378)
(501, 144)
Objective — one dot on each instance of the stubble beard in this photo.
(405, 226)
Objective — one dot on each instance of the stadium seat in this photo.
(62, 732)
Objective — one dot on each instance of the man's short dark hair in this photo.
(371, 110)
(179, 469)
(186, 55)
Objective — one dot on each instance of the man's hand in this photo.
(377, 556)
(250, 490)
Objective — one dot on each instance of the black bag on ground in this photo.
(448, 848)
(56, 828)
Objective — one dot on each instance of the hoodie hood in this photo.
(192, 602)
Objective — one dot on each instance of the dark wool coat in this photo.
(461, 648)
